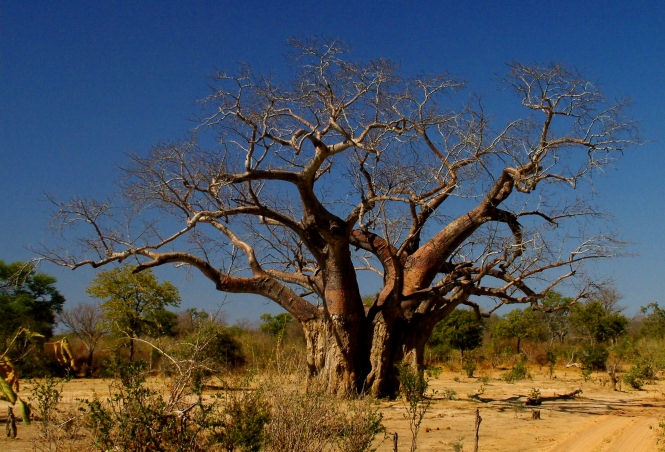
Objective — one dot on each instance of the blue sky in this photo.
(83, 83)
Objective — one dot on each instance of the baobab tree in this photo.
(291, 189)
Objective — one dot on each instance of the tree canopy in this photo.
(289, 188)
(520, 324)
(135, 304)
(276, 324)
(28, 300)
(654, 321)
(596, 323)
(461, 330)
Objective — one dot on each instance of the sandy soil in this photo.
(598, 420)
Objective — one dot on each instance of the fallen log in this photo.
(530, 401)
(540, 399)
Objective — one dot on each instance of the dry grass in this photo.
(507, 423)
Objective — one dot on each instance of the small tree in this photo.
(595, 323)
(557, 320)
(276, 325)
(134, 303)
(654, 321)
(28, 300)
(461, 330)
(520, 325)
(86, 321)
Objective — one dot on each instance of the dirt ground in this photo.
(597, 420)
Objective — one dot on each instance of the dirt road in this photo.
(612, 433)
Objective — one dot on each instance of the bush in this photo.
(643, 370)
(518, 372)
(223, 348)
(439, 352)
(594, 357)
(632, 378)
(550, 360)
(137, 417)
(412, 387)
(245, 420)
(359, 427)
(58, 429)
(469, 366)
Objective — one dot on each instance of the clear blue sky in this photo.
(82, 83)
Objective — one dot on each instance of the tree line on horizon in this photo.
(136, 312)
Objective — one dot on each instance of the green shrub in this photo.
(138, 418)
(633, 379)
(359, 427)
(450, 394)
(439, 352)
(245, 420)
(223, 348)
(594, 357)
(276, 325)
(643, 370)
(586, 373)
(412, 387)
(518, 372)
(469, 366)
(551, 360)
(433, 372)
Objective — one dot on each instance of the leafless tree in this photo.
(291, 189)
(86, 321)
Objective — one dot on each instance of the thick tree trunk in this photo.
(372, 368)
(327, 363)
(381, 380)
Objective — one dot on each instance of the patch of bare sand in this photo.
(613, 433)
(626, 417)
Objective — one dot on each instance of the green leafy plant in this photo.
(534, 397)
(433, 372)
(361, 424)
(518, 372)
(469, 366)
(55, 426)
(458, 446)
(412, 389)
(594, 357)
(139, 418)
(586, 373)
(637, 376)
(245, 418)
(551, 361)
(134, 304)
(450, 394)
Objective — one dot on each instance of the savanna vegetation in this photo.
(239, 387)
(477, 228)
